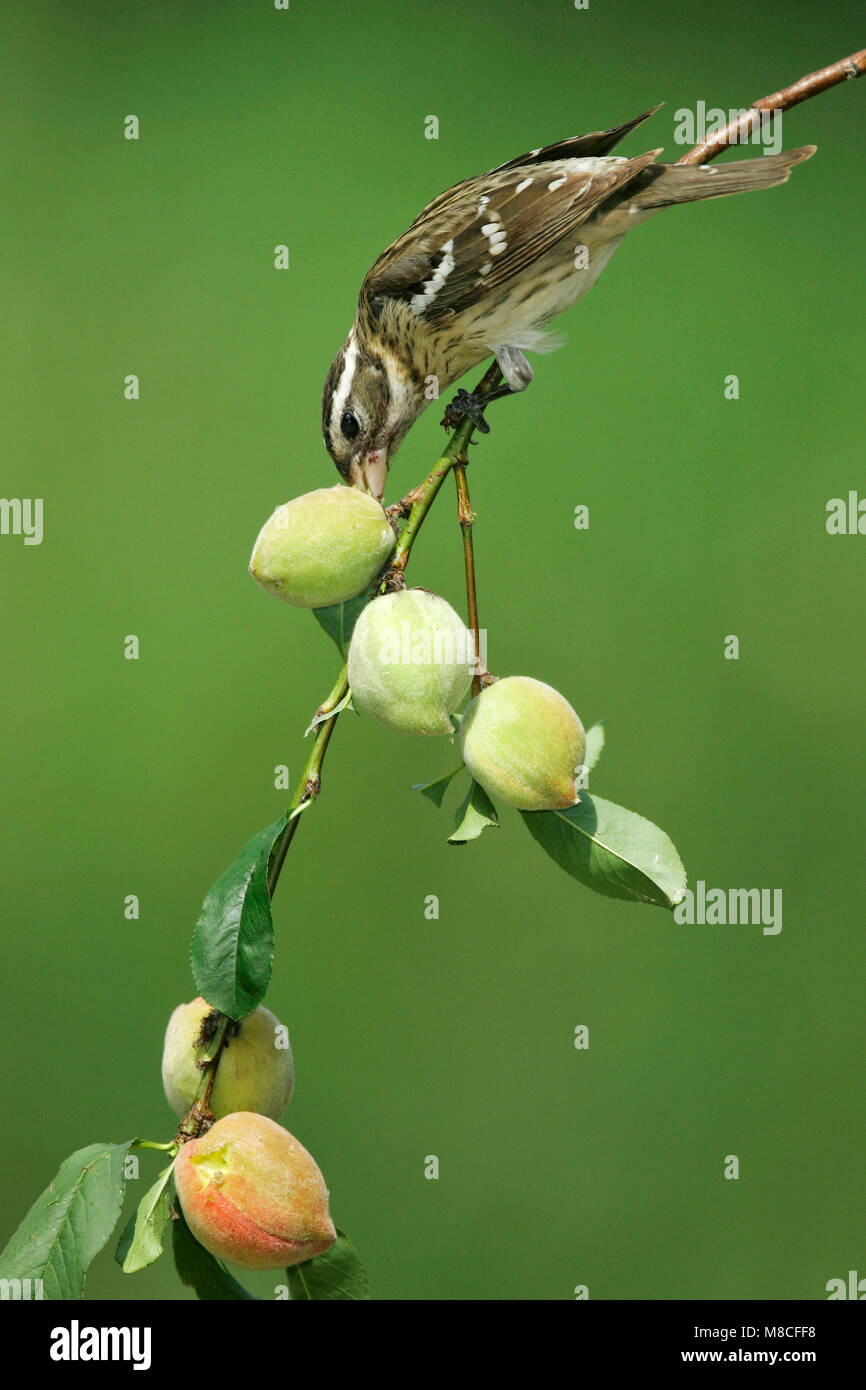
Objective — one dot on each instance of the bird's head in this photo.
(366, 411)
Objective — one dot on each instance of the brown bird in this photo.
(485, 267)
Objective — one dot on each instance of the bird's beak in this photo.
(369, 472)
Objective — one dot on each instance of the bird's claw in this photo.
(466, 405)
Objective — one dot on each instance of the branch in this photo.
(809, 86)
(420, 500)
(466, 517)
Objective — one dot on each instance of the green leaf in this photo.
(435, 791)
(339, 620)
(611, 850)
(232, 951)
(594, 745)
(200, 1271)
(475, 814)
(70, 1222)
(141, 1242)
(336, 1274)
(329, 714)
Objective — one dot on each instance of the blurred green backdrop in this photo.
(707, 517)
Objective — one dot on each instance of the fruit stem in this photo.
(466, 516)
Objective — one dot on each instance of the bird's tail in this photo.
(662, 185)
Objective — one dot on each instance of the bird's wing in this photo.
(595, 143)
(459, 251)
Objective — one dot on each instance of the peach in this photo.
(323, 547)
(524, 743)
(252, 1195)
(254, 1072)
(411, 662)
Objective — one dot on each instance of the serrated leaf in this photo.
(141, 1242)
(232, 949)
(70, 1222)
(338, 1274)
(475, 814)
(594, 745)
(611, 850)
(199, 1270)
(339, 620)
(435, 791)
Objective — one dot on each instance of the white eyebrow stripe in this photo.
(344, 386)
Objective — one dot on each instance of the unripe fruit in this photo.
(254, 1072)
(252, 1194)
(524, 743)
(411, 661)
(323, 547)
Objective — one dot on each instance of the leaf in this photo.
(232, 951)
(611, 850)
(435, 791)
(594, 745)
(199, 1270)
(141, 1242)
(70, 1222)
(336, 1274)
(339, 620)
(329, 714)
(475, 814)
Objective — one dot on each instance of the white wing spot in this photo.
(525, 184)
(557, 183)
(419, 302)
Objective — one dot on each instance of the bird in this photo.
(484, 268)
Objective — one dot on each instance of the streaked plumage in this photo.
(486, 266)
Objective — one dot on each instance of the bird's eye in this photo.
(349, 425)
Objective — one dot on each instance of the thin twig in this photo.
(466, 516)
(809, 86)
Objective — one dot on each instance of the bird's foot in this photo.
(471, 405)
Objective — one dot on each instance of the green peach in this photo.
(323, 547)
(411, 662)
(255, 1070)
(251, 1194)
(524, 743)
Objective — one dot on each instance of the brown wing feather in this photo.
(534, 220)
(412, 259)
(596, 142)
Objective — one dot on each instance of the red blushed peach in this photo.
(252, 1195)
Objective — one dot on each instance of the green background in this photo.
(707, 517)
